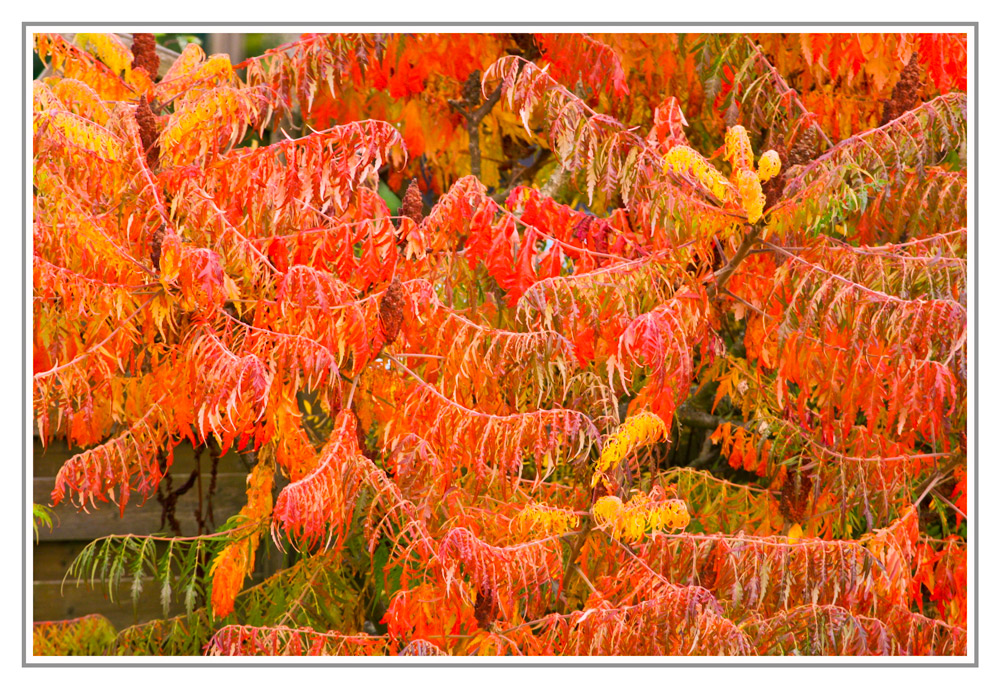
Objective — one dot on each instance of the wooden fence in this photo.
(55, 550)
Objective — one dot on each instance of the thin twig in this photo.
(567, 578)
(722, 275)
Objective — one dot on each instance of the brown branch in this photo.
(526, 171)
(722, 276)
(938, 476)
(696, 418)
(570, 571)
(949, 503)
(473, 117)
(705, 455)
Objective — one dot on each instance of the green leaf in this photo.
(390, 198)
(40, 514)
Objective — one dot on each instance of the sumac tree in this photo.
(664, 351)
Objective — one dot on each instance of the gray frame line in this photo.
(460, 23)
(568, 663)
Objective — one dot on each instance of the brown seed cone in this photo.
(795, 496)
(148, 133)
(413, 203)
(144, 54)
(774, 189)
(391, 311)
(526, 45)
(471, 89)
(486, 608)
(905, 94)
(804, 148)
(156, 242)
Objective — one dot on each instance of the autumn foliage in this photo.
(663, 352)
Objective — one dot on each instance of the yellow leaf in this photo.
(109, 49)
(795, 533)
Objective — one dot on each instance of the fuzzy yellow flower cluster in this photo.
(544, 518)
(747, 181)
(738, 150)
(684, 160)
(768, 166)
(751, 195)
(642, 429)
(743, 187)
(630, 521)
